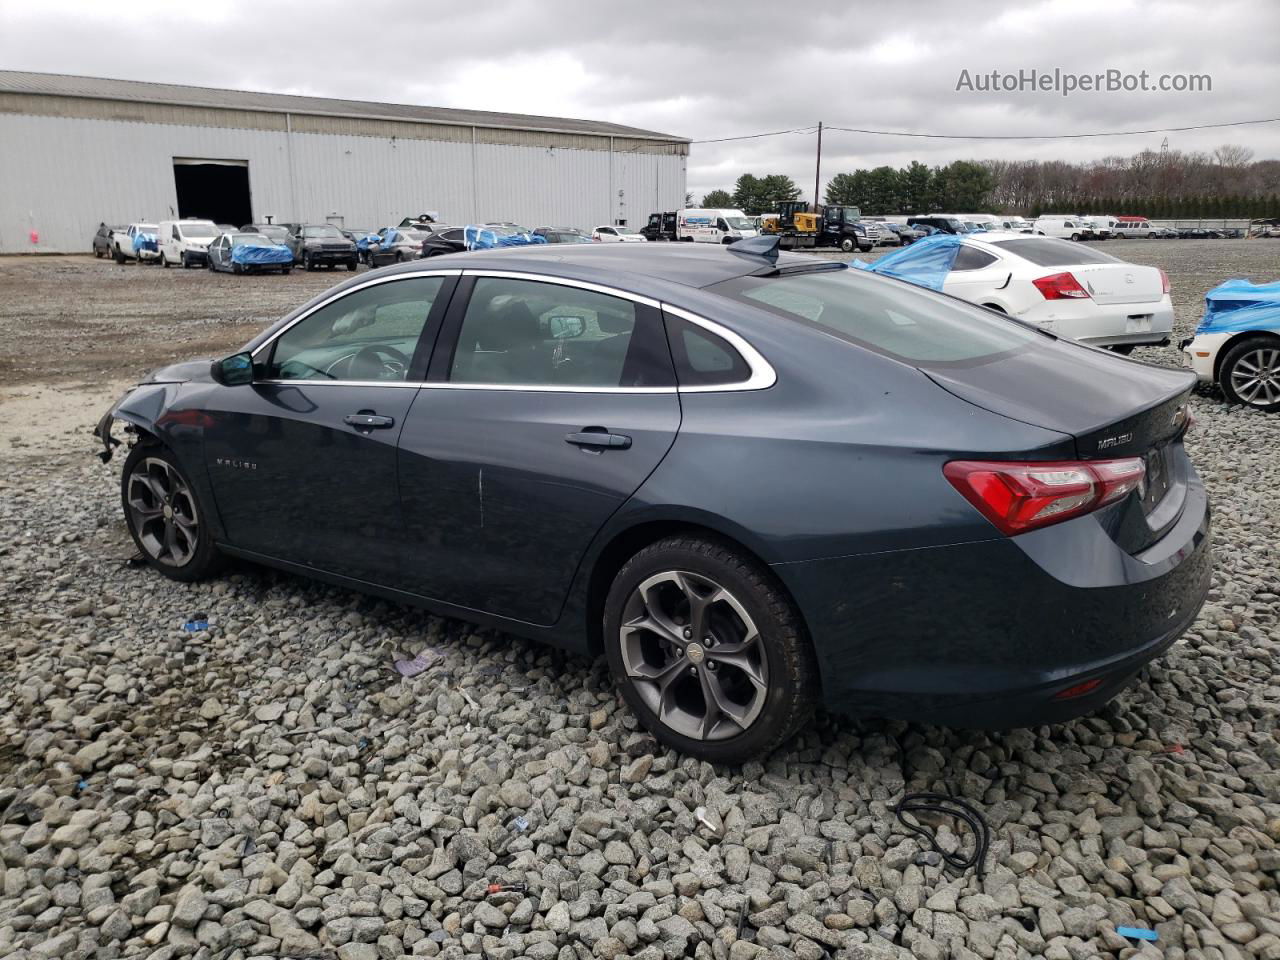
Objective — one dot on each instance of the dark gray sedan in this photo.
(754, 483)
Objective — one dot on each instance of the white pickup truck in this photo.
(138, 241)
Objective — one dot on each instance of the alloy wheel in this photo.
(1255, 376)
(162, 510)
(694, 655)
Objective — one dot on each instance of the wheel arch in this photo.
(1236, 338)
(626, 542)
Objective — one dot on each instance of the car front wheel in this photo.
(1250, 373)
(708, 650)
(165, 516)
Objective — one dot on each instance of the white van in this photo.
(1064, 227)
(714, 226)
(186, 242)
(1103, 227)
(1129, 228)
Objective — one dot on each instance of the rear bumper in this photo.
(987, 634)
(1105, 325)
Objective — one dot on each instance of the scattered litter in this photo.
(82, 785)
(424, 661)
(248, 847)
(700, 814)
(224, 813)
(916, 803)
(362, 744)
(196, 622)
(494, 888)
(1137, 933)
(521, 824)
(1171, 748)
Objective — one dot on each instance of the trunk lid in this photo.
(1120, 282)
(1114, 408)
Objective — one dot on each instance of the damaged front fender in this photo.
(143, 407)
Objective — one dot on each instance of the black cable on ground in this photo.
(915, 803)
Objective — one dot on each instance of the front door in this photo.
(548, 404)
(303, 460)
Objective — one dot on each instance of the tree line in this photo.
(1169, 185)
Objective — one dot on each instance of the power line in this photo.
(757, 136)
(957, 136)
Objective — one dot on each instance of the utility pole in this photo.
(817, 171)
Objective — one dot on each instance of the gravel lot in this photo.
(271, 787)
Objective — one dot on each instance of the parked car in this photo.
(445, 239)
(102, 239)
(1013, 225)
(608, 234)
(1064, 228)
(137, 242)
(1027, 532)
(393, 245)
(240, 252)
(939, 222)
(662, 226)
(321, 245)
(1164, 232)
(561, 235)
(1131, 228)
(1070, 291)
(186, 242)
(1237, 343)
(1101, 226)
(275, 232)
(356, 234)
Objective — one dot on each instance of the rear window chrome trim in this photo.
(762, 376)
(338, 295)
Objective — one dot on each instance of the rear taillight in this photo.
(1020, 496)
(1164, 282)
(1061, 286)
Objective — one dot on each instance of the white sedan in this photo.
(616, 235)
(1070, 290)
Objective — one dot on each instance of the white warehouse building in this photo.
(77, 151)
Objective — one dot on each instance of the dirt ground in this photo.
(74, 331)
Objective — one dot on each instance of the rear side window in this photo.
(971, 258)
(888, 316)
(1052, 252)
(702, 358)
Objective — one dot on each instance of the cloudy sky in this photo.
(711, 69)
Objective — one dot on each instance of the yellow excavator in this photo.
(794, 226)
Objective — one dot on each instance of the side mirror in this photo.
(233, 371)
(566, 328)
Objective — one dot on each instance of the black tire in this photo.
(1239, 364)
(164, 261)
(306, 263)
(285, 270)
(237, 269)
(351, 265)
(790, 674)
(199, 558)
(1124, 349)
(117, 256)
(97, 253)
(1075, 237)
(186, 262)
(847, 244)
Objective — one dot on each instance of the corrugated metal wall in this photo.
(62, 175)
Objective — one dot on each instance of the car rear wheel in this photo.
(1250, 373)
(165, 516)
(306, 262)
(708, 650)
(117, 256)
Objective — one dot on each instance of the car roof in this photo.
(624, 265)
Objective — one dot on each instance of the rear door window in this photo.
(703, 359)
(888, 316)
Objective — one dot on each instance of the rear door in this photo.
(548, 403)
(976, 275)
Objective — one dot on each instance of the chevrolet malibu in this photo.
(754, 483)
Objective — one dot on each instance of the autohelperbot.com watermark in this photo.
(1065, 83)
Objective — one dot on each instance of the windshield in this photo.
(1052, 252)
(891, 317)
(254, 238)
(272, 231)
(198, 230)
(327, 231)
(740, 223)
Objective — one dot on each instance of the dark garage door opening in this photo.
(216, 190)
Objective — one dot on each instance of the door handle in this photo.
(368, 421)
(599, 438)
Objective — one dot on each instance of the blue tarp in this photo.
(146, 241)
(1239, 305)
(257, 254)
(369, 239)
(482, 238)
(925, 263)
